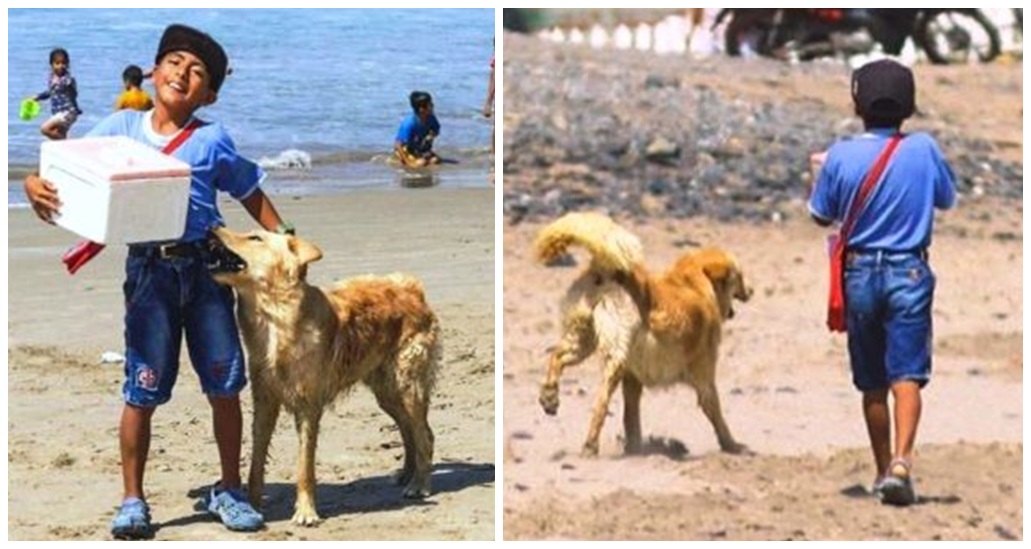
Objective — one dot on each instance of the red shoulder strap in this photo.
(182, 136)
(868, 186)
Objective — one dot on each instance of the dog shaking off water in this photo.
(306, 345)
(651, 330)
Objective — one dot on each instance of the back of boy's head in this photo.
(57, 53)
(133, 75)
(419, 99)
(183, 38)
(884, 93)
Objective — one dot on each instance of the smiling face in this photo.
(182, 83)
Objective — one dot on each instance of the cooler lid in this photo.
(117, 158)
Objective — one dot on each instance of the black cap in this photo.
(182, 38)
(884, 89)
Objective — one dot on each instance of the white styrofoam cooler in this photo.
(114, 190)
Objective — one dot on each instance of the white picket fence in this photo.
(675, 34)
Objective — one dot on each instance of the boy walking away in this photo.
(168, 289)
(414, 142)
(889, 285)
(63, 96)
(133, 97)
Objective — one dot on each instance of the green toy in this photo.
(29, 109)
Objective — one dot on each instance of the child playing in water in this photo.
(133, 97)
(414, 142)
(62, 93)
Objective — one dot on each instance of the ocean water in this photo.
(316, 95)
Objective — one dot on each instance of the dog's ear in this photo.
(305, 251)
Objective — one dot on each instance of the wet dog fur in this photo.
(651, 330)
(308, 345)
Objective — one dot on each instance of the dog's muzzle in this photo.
(220, 259)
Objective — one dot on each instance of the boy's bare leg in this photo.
(878, 427)
(134, 442)
(907, 416)
(228, 422)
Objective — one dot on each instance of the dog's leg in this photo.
(613, 375)
(631, 413)
(578, 342)
(709, 401)
(307, 421)
(266, 411)
(416, 402)
(389, 400)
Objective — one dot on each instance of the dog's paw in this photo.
(736, 448)
(305, 515)
(589, 450)
(549, 399)
(413, 491)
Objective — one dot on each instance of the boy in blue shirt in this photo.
(168, 290)
(889, 285)
(414, 142)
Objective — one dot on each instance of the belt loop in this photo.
(880, 257)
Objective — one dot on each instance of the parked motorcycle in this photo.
(946, 35)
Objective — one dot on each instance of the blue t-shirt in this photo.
(899, 214)
(215, 165)
(416, 136)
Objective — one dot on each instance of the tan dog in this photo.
(651, 330)
(306, 345)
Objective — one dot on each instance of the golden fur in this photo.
(306, 345)
(652, 330)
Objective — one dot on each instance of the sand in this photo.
(786, 393)
(64, 477)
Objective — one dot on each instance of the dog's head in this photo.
(728, 281)
(259, 258)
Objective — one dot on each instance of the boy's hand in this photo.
(43, 197)
(816, 161)
(487, 111)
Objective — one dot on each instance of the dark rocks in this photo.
(643, 135)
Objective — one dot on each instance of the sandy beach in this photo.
(64, 479)
(786, 393)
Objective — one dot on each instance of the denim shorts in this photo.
(165, 298)
(888, 302)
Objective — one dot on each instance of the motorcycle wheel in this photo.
(950, 37)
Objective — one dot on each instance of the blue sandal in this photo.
(132, 520)
(232, 508)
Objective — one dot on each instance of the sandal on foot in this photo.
(233, 510)
(132, 520)
(897, 486)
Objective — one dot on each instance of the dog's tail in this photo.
(615, 252)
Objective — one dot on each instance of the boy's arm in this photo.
(261, 209)
(821, 199)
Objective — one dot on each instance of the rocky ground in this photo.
(728, 138)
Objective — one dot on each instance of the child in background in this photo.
(63, 95)
(414, 142)
(488, 111)
(133, 97)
